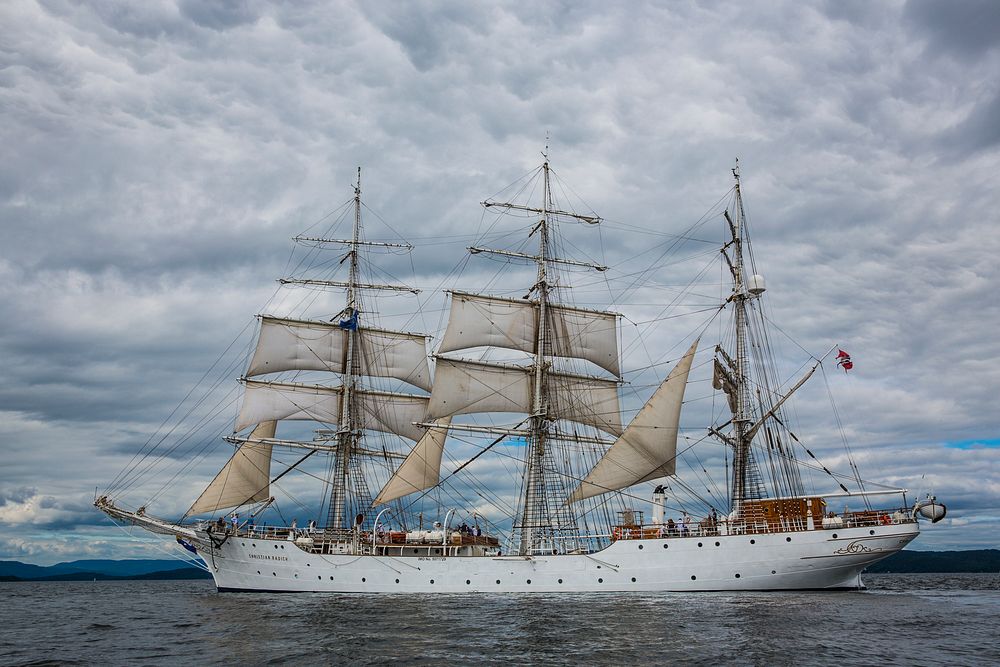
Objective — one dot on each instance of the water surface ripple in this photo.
(901, 620)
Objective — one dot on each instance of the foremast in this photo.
(347, 410)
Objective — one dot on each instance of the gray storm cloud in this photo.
(159, 156)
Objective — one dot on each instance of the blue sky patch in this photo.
(979, 443)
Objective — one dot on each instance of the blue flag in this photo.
(187, 545)
(351, 323)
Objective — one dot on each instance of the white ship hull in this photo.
(815, 559)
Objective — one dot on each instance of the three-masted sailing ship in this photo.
(523, 374)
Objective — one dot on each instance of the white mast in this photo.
(346, 436)
(741, 418)
(534, 516)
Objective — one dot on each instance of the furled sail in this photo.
(309, 345)
(422, 467)
(384, 411)
(244, 479)
(648, 447)
(465, 387)
(477, 320)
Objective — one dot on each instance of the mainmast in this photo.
(533, 516)
(544, 329)
(347, 434)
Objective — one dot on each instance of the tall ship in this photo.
(519, 456)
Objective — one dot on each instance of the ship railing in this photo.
(760, 525)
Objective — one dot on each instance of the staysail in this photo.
(422, 467)
(244, 479)
(648, 447)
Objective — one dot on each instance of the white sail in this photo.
(309, 345)
(464, 387)
(299, 345)
(422, 467)
(265, 401)
(648, 447)
(393, 413)
(383, 411)
(477, 320)
(395, 354)
(244, 479)
(585, 334)
(586, 400)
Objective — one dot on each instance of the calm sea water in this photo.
(901, 620)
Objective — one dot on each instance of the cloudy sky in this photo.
(159, 155)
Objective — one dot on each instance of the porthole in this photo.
(274, 574)
(774, 572)
(275, 546)
(397, 581)
(640, 547)
(737, 575)
(331, 578)
(633, 580)
(282, 546)
(468, 581)
(258, 571)
(598, 567)
(363, 580)
(432, 581)
(717, 544)
(529, 581)
(700, 545)
(498, 581)
(753, 541)
(788, 539)
(243, 544)
(666, 546)
(693, 577)
(835, 536)
(871, 532)
(296, 575)
(320, 577)
(560, 581)
(600, 581)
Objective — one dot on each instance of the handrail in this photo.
(759, 524)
